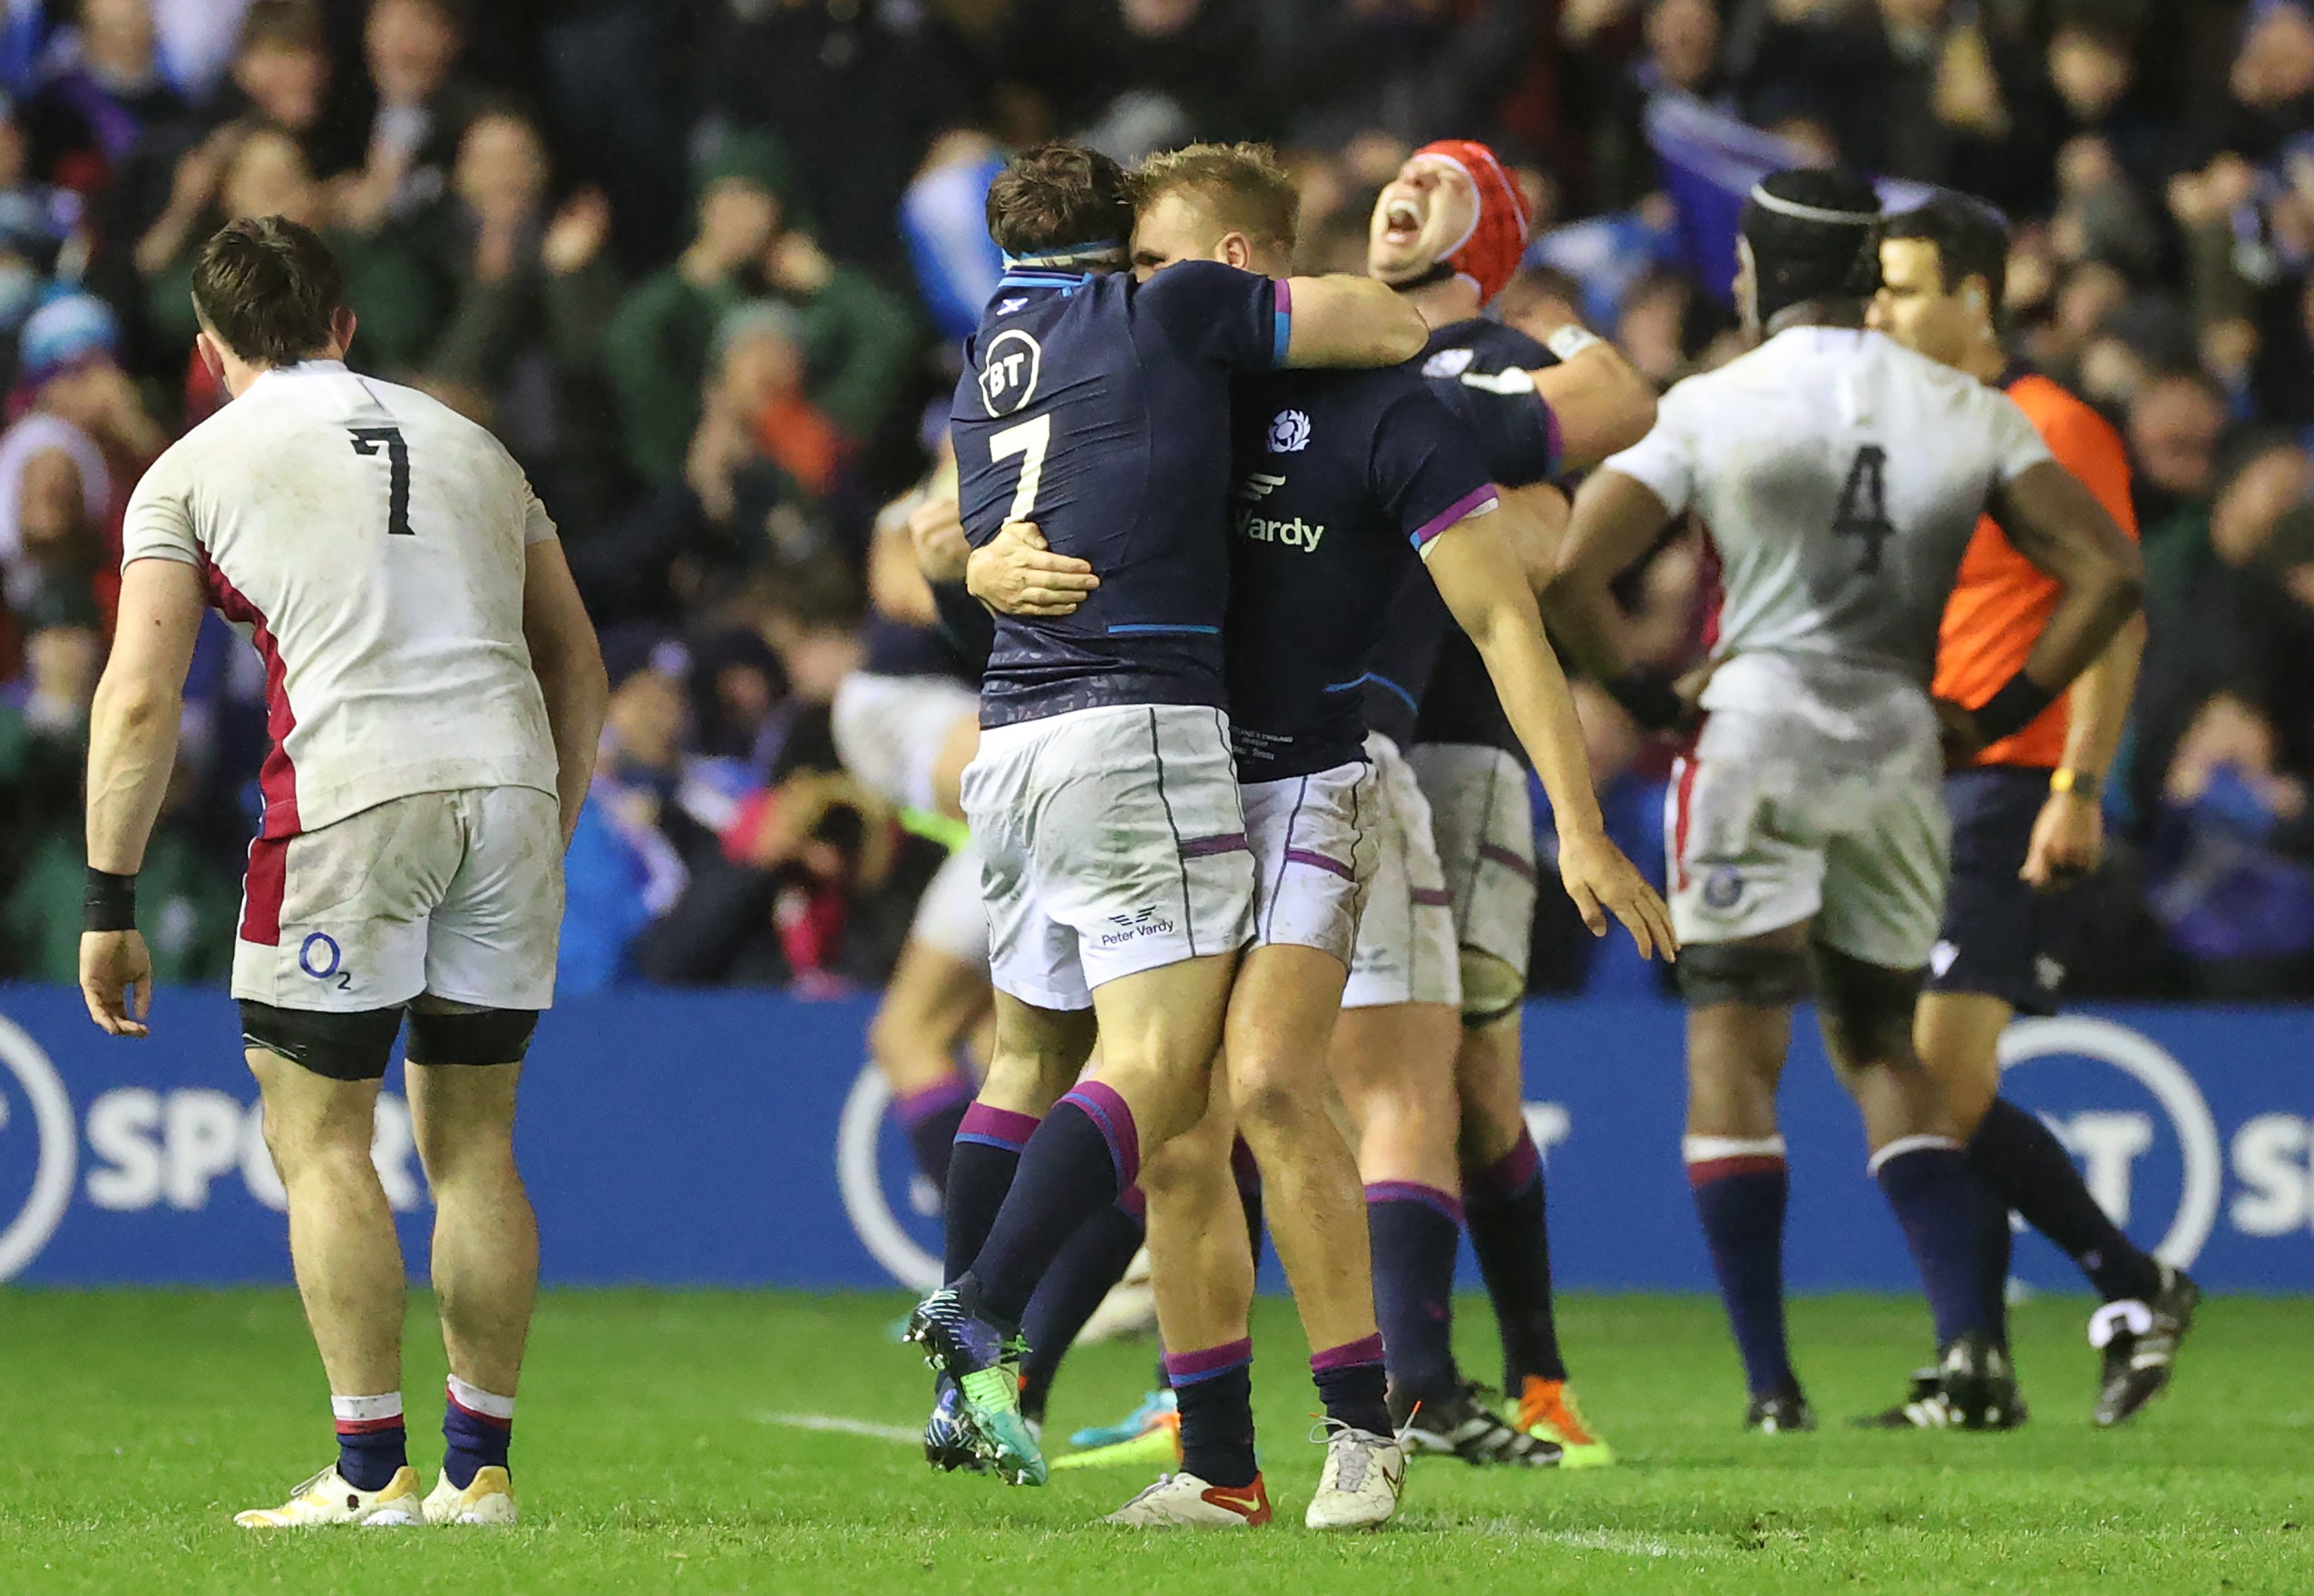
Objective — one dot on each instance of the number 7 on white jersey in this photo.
(1030, 440)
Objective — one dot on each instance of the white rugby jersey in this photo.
(1841, 476)
(370, 542)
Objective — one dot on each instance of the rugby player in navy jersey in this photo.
(1118, 881)
(1436, 989)
(1344, 479)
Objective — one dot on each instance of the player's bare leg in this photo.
(956, 751)
(1203, 1271)
(1738, 1032)
(485, 1275)
(931, 1006)
(1394, 1067)
(349, 1273)
(1866, 1012)
(342, 1243)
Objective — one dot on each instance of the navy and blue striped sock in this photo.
(1508, 1219)
(931, 1117)
(1093, 1261)
(980, 1169)
(1353, 1385)
(1085, 1154)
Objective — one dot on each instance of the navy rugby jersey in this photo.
(1099, 409)
(1342, 477)
(1429, 683)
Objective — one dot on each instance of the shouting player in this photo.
(1841, 477)
(1119, 884)
(435, 695)
(1448, 937)
(1344, 480)
(2026, 821)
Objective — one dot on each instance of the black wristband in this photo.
(2017, 705)
(1649, 698)
(109, 903)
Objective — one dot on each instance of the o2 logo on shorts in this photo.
(320, 956)
(1009, 372)
(1721, 888)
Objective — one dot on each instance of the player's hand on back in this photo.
(1015, 573)
(116, 980)
(1602, 881)
(936, 532)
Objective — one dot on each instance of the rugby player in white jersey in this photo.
(434, 695)
(1841, 476)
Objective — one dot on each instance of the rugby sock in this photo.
(1741, 1186)
(981, 1168)
(1996, 1243)
(476, 1427)
(1087, 1152)
(372, 1442)
(1415, 1230)
(931, 1117)
(1926, 1182)
(2021, 1160)
(1510, 1233)
(1093, 1261)
(1215, 1389)
(1352, 1385)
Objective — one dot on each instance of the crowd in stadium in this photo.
(704, 265)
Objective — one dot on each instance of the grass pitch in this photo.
(660, 1449)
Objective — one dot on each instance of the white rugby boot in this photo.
(1364, 1477)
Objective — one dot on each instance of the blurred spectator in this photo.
(412, 48)
(1415, 69)
(280, 74)
(858, 341)
(1135, 76)
(99, 88)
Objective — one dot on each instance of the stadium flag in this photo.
(944, 217)
(1710, 160)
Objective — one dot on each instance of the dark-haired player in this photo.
(1346, 484)
(1118, 881)
(434, 695)
(1841, 476)
(2027, 821)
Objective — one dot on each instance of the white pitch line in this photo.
(837, 1425)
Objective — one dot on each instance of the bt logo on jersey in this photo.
(1010, 368)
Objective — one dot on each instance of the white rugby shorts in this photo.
(889, 730)
(950, 916)
(456, 895)
(1313, 856)
(1405, 952)
(1484, 824)
(1115, 842)
(1764, 827)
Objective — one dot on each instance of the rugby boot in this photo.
(1185, 1501)
(1786, 1412)
(2140, 1342)
(1545, 1410)
(488, 1500)
(326, 1499)
(949, 1440)
(985, 1363)
(1360, 1485)
(1460, 1425)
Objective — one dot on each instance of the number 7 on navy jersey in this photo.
(1030, 440)
(369, 440)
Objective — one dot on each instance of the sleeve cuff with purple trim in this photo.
(1280, 320)
(1476, 502)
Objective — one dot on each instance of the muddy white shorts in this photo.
(950, 915)
(456, 895)
(1484, 824)
(1114, 842)
(1313, 856)
(1405, 952)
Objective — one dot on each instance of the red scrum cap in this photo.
(1489, 253)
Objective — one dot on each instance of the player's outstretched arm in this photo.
(1614, 522)
(1016, 573)
(132, 747)
(2055, 521)
(568, 663)
(1356, 321)
(1477, 572)
(1603, 404)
